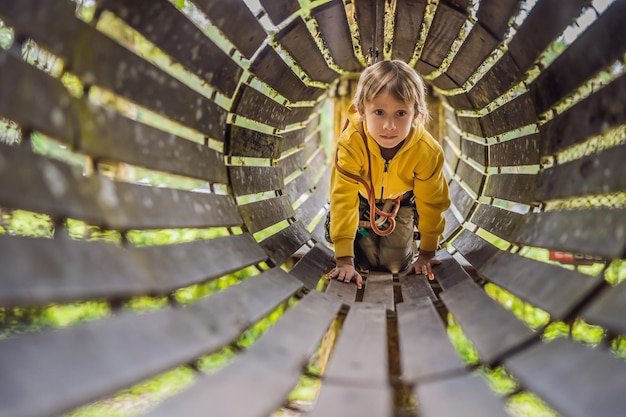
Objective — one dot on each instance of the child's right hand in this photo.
(345, 271)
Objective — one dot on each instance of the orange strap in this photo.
(371, 199)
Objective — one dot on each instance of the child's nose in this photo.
(389, 124)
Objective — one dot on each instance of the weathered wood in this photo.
(271, 68)
(279, 10)
(592, 387)
(344, 290)
(471, 176)
(232, 15)
(476, 48)
(204, 59)
(262, 214)
(299, 42)
(520, 151)
(474, 150)
(257, 106)
(607, 309)
(472, 397)
(552, 288)
(315, 202)
(353, 401)
(414, 287)
(602, 110)
(333, 25)
(501, 76)
(298, 186)
(514, 114)
(293, 162)
(494, 15)
(474, 249)
(370, 15)
(493, 330)
(53, 188)
(379, 289)
(312, 265)
(408, 20)
(449, 272)
(425, 349)
(360, 354)
(267, 372)
(283, 244)
(512, 187)
(99, 358)
(250, 180)
(461, 199)
(253, 144)
(65, 269)
(147, 85)
(498, 221)
(443, 31)
(604, 232)
(558, 80)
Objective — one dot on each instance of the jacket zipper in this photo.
(382, 188)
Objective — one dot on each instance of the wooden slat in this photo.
(498, 221)
(298, 186)
(452, 225)
(318, 163)
(514, 114)
(414, 287)
(607, 309)
(301, 113)
(597, 231)
(475, 49)
(568, 71)
(312, 144)
(312, 265)
(312, 206)
(266, 373)
(500, 77)
(366, 13)
(408, 21)
(232, 15)
(250, 180)
(351, 401)
(474, 249)
(552, 288)
(461, 199)
(472, 397)
(265, 213)
(279, 10)
(52, 187)
(51, 372)
(470, 125)
(270, 68)
(474, 150)
(300, 44)
(293, 162)
(355, 381)
(257, 106)
(283, 244)
(602, 110)
(449, 272)
(293, 139)
(68, 270)
(101, 134)
(520, 151)
(360, 354)
(379, 289)
(253, 144)
(333, 26)
(36, 100)
(425, 349)
(600, 173)
(492, 330)
(174, 30)
(545, 22)
(494, 15)
(471, 176)
(512, 187)
(74, 41)
(443, 31)
(345, 291)
(594, 386)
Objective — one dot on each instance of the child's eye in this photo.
(378, 112)
(402, 113)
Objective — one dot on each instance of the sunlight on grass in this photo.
(529, 405)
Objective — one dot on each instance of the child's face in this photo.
(388, 120)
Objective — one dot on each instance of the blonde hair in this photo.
(397, 78)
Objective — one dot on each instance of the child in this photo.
(385, 148)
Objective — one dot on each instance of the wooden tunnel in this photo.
(211, 122)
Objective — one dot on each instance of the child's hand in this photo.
(424, 265)
(345, 271)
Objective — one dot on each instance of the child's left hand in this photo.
(424, 265)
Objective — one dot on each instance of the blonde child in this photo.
(386, 152)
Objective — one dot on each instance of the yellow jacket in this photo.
(417, 166)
